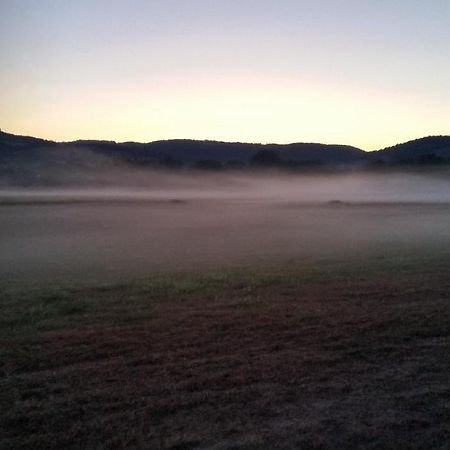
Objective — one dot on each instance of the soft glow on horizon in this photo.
(254, 71)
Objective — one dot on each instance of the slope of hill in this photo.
(187, 150)
(28, 160)
(427, 147)
(184, 152)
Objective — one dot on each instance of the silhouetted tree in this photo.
(171, 163)
(266, 158)
(208, 164)
(235, 164)
(430, 159)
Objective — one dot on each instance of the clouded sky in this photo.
(370, 73)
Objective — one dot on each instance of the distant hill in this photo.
(418, 150)
(29, 160)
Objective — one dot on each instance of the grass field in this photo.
(343, 354)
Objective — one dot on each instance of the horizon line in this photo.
(217, 141)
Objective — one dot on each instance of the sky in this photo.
(368, 73)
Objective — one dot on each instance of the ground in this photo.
(341, 354)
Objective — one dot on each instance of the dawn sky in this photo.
(369, 73)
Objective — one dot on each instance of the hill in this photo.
(430, 148)
(29, 160)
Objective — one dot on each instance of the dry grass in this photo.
(350, 358)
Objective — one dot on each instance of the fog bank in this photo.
(171, 222)
(275, 186)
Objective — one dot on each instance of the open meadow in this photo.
(224, 323)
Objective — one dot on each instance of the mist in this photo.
(136, 223)
(125, 184)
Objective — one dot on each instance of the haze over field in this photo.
(270, 185)
(160, 222)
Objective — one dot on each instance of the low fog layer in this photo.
(165, 222)
(273, 186)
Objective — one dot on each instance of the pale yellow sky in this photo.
(296, 71)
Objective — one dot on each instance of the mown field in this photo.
(346, 353)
